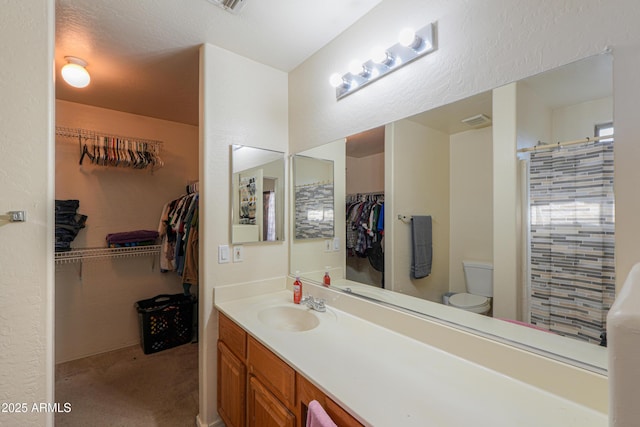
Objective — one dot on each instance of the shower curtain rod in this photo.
(564, 143)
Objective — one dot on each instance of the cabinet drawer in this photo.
(233, 336)
(274, 373)
(339, 415)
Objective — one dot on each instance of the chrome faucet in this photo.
(314, 304)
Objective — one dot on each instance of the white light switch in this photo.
(336, 243)
(223, 254)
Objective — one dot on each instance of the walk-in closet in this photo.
(126, 188)
(364, 207)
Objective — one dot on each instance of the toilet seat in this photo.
(470, 302)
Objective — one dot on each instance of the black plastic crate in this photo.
(166, 321)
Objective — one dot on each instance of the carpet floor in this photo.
(129, 388)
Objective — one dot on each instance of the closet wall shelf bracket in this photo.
(96, 254)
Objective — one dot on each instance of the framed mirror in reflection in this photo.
(257, 195)
(522, 243)
(313, 196)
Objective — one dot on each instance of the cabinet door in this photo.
(265, 410)
(306, 392)
(232, 380)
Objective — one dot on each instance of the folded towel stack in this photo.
(68, 223)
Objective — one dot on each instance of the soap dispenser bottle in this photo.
(326, 281)
(297, 289)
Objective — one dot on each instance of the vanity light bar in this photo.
(411, 46)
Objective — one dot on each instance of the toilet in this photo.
(478, 277)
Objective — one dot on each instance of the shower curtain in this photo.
(571, 210)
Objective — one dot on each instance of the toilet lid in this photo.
(465, 300)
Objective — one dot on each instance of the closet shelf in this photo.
(85, 254)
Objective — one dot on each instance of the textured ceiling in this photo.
(143, 54)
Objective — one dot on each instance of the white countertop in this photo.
(575, 352)
(384, 378)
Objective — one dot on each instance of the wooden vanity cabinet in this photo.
(265, 410)
(232, 373)
(232, 382)
(306, 392)
(258, 389)
(272, 387)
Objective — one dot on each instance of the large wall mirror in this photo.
(441, 164)
(257, 195)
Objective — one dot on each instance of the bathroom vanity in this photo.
(256, 383)
(275, 356)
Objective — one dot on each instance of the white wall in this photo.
(417, 177)
(26, 183)
(578, 121)
(95, 313)
(506, 248)
(242, 102)
(471, 198)
(533, 118)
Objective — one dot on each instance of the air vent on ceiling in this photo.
(233, 6)
(477, 121)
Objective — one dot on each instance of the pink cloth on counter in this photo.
(317, 417)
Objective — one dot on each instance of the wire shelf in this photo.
(87, 254)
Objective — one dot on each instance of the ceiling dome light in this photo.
(75, 73)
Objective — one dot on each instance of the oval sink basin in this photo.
(286, 318)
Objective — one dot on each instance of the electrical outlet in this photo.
(238, 254)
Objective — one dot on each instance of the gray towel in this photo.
(421, 246)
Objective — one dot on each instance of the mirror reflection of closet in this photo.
(365, 176)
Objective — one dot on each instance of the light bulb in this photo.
(336, 80)
(379, 55)
(355, 67)
(407, 37)
(74, 72)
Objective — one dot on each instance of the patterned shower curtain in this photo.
(572, 239)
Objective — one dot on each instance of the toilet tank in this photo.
(478, 277)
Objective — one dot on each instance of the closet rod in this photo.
(87, 134)
(564, 143)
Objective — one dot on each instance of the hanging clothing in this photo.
(365, 223)
(178, 230)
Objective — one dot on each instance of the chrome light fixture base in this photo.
(397, 56)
